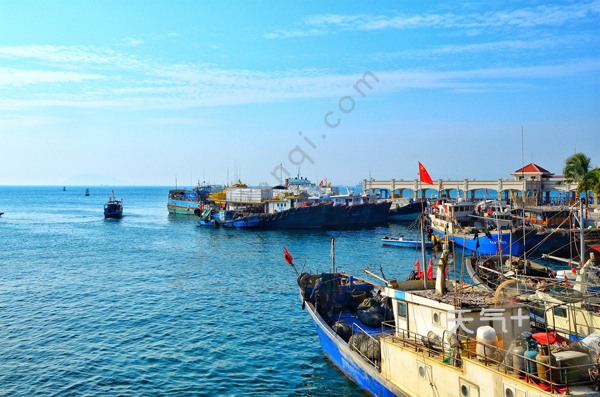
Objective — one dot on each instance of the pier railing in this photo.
(554, 377)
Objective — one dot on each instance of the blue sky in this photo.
(146, 90)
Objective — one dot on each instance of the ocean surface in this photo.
(153, 305)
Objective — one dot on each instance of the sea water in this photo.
(153, 305)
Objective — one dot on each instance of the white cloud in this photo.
(505, 47)
(16, 78)
(524, 17)
(132, 42)
(71, 55)
(195, 86)
(10, 123)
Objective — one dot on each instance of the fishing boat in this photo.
(235, 219)
(185, 202)
(113, 208)
(401, 242)
(489, 272)
(305, 215)
(355, 211)
(204, 216)
(461, 223)
(439, 338)
(87, 192)
(405, 210)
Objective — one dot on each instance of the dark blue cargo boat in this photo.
(113, 209)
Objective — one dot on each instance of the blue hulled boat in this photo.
(183, 201)
(250, 221)
(463, 225)
(235, 219)
(403, 338)
(401, 242)
(113, 209)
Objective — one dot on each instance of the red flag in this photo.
(418, 268)
(424, 175)
(287, 256)
(321, 184)
(486, 192)
(430, 273)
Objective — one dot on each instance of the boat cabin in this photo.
(445, 214)
(285, 203)
(353, 199)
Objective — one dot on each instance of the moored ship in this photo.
(184, 201)
(438, 338)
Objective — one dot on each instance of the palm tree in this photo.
(590, 183)
(575, 169)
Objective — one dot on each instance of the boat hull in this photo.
(406, 243)
(350, 363)
(113, 209)
(296, 218)
(246, 222)
(182, 207)
(357, 216)
(487, 245)
(409, 212)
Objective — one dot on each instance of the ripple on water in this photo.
(153, 305)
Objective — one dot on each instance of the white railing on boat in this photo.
(467, 349)
(356, 329)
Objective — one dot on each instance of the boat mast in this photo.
(524, 191)
(581, 233)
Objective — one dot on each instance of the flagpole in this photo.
(423, 240)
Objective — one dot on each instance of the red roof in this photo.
(533, 168)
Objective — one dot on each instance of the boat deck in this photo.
(468, 297)
(351, 319)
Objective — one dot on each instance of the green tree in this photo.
(590, 183)
(575, 169)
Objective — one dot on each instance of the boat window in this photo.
(402, 309)
(560, 312)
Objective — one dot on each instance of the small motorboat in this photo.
(87, 192)
(401, 242)
(113, 209)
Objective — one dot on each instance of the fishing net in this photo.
(367, 345)
(342, 329)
